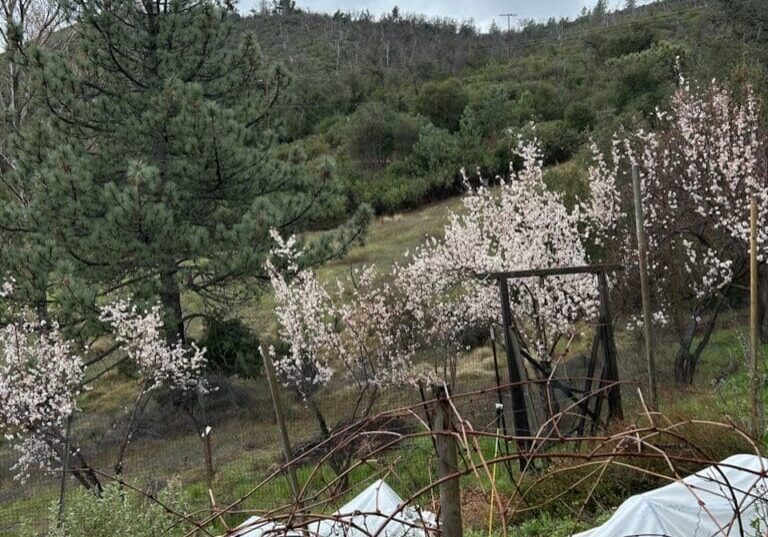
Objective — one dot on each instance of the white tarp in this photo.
(720, 500)
(367, 514)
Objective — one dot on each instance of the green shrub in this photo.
(579, 116)
(392, 193)
(492, 111)
(370, 138)
(118, 512)
(436, 150)
(547, 526)
(642, 81)
(559, 142)
(443, 103)
(232, 349)
(537, 101)
(570, 180)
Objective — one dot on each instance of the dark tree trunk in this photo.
(688, 357)
(40, 299)
(339, 458)
(85, 474)
(763, 294)
(684, 367)
(171, 300)
(324, 430)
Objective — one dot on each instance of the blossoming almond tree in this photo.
(305, 314)
(41, 376)
(141, 337)
(359, 332)
(698, 172)
(522, 226)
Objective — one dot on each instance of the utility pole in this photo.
(509, 17)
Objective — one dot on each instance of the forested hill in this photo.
(401, 102)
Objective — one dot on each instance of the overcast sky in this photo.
(481, 11)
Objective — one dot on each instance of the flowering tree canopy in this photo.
(522, 226)
(305, 315)
(41, 377)
(698, 172)
(140, 334)
(359, 331)
(374, 326)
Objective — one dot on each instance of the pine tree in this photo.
(600, 11)
(154, 168)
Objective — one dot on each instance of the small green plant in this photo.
(117, 512)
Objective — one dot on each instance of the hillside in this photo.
(404, 97)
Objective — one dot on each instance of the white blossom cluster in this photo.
(522, 226)
(140, 334)
(360, 329)
(603, 208)
(378, 339)
(305, 315)
(698, 173)
(40, 379)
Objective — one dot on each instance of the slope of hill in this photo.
(403, 97)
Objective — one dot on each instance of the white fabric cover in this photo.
(719, 500)
(365, 515)
(256, 526)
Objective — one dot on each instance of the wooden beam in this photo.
(516, 374)
(557, 271)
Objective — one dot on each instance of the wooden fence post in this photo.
(516, 374)
(209, 474)
(611, 367)
(754, 328)
(447, 465)
(269, 368)
(644, 287)
(64, 472)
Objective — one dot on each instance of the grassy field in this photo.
(245, 439)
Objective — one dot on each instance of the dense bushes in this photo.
(443, 103)
(117, 512)
(231, 348)
(401, 134)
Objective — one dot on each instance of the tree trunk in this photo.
(684, 367)
(338, 459)
(171, 300)
(41, 299)
(763, 296)
(85, 474)
(324, 430)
